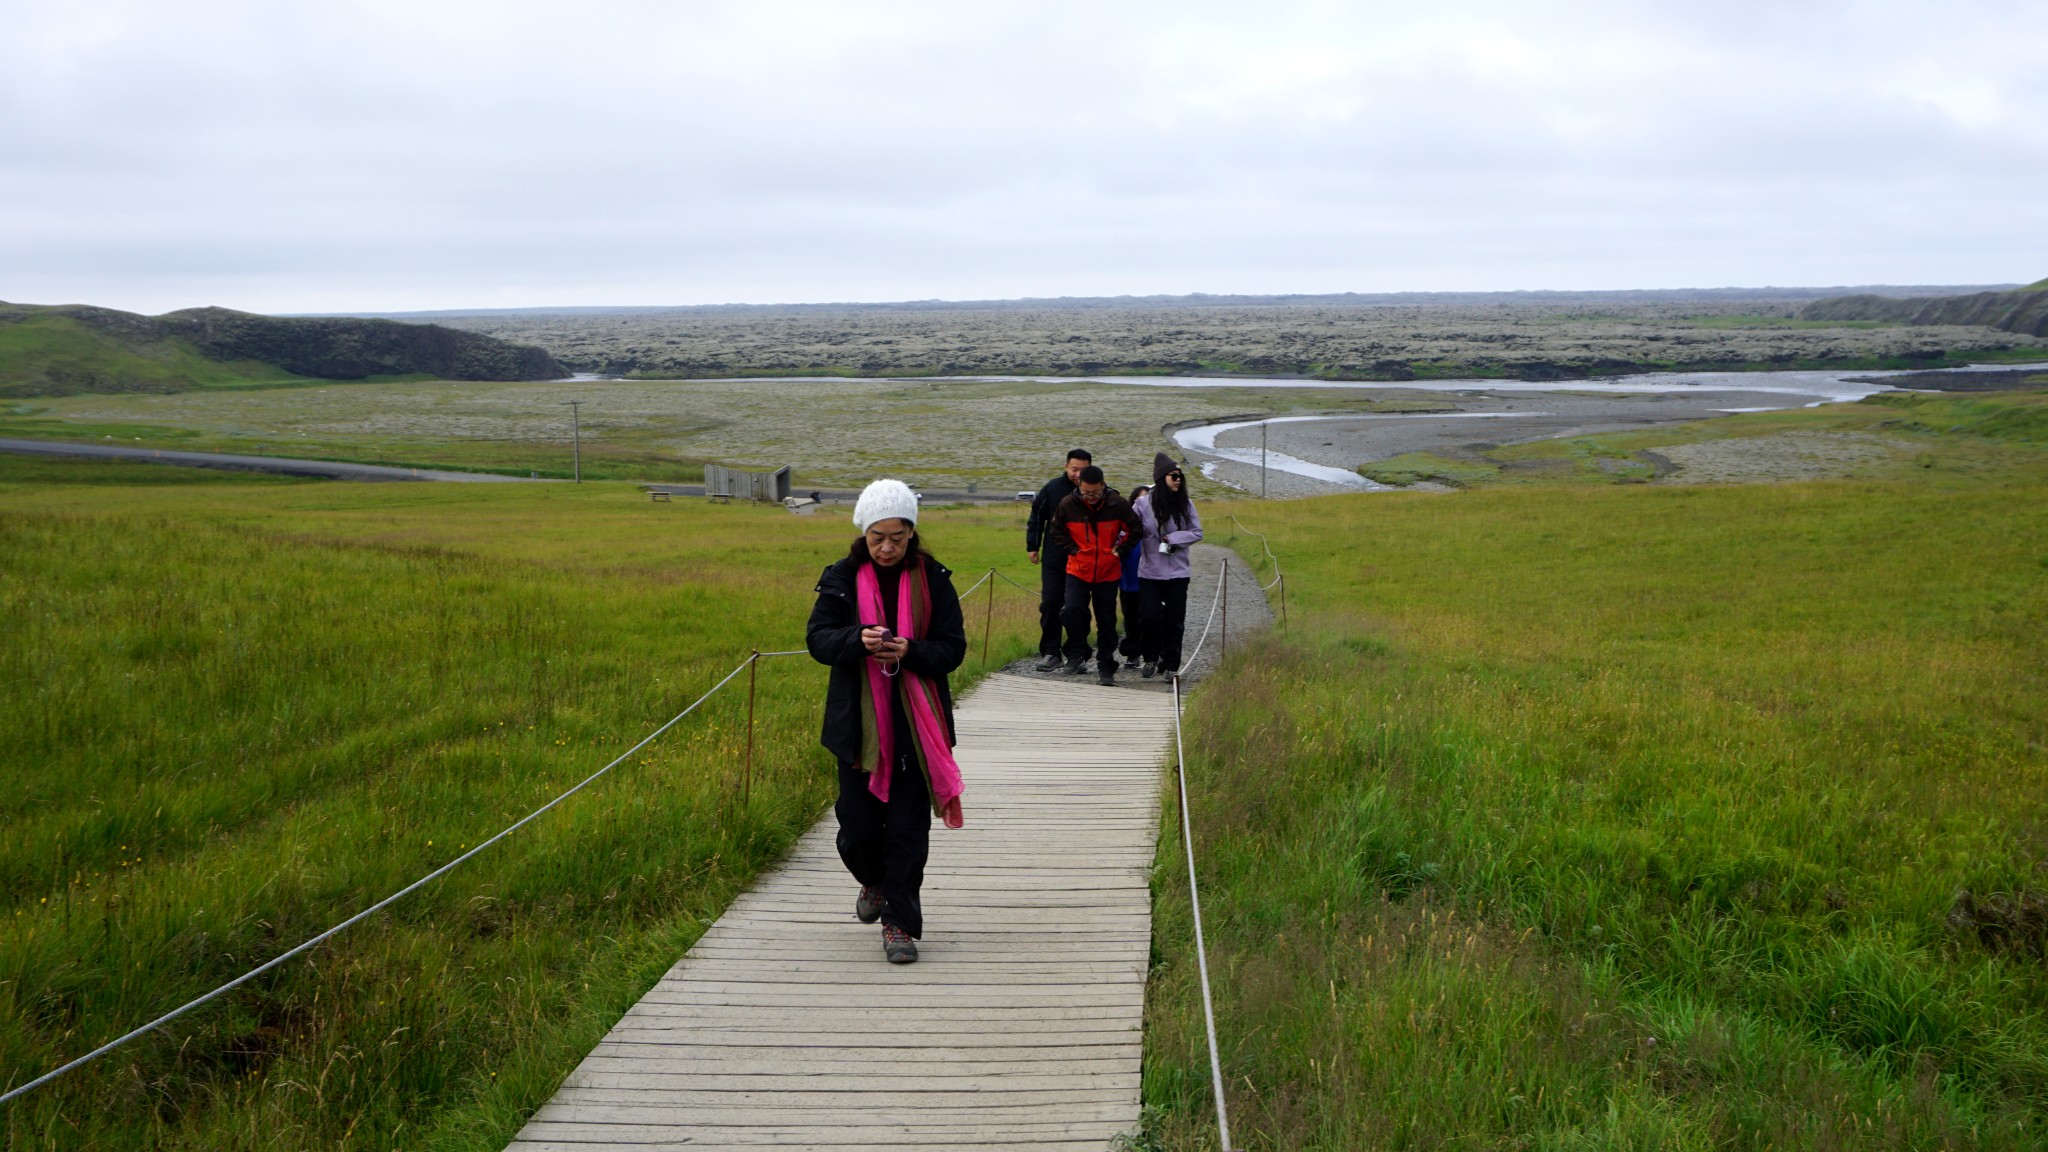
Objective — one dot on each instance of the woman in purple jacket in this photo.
(1170, 526)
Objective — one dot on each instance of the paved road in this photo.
(278, 465)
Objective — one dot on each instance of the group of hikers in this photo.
(1097, 551)
(887, 623)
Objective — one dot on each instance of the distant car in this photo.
(1027, 495)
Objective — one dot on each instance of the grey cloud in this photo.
(385, 156)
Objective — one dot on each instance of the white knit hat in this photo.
(883, 500)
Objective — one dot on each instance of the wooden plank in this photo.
(1020, 1027)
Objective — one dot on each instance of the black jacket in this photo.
(1038, 536)
(833, 637)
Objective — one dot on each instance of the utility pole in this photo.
(1262, 459)
(576, 431)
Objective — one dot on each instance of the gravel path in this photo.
(1249, 612)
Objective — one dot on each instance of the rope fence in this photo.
(380, 905)
(1187, 840)
(1279, 577)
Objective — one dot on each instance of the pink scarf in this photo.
(921, 701)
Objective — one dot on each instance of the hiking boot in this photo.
(1077, 667)
(867, 907)
(1147, 669)
(1106, 675)
(898, 946)
(1051, 663)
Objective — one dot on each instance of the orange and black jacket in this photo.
(1095, 539)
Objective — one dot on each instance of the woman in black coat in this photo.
(888, 624)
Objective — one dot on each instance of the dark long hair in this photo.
(1170, 507)
(913, 555)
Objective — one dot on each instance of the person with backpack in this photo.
(1044, 548)
(1096, 527)
(1169, 526)
(887, 622)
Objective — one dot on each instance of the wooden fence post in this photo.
(988, 621)
(1223, 590)
(747, 777)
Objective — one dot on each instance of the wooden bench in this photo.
(657, 495)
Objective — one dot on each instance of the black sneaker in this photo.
(898, 946)
(1106, 675)
(1077, 667)
(1050, 664)
(867, 907)
(1147, 669)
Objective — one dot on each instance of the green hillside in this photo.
(69, 349)
(49, 352)
(2022, 310)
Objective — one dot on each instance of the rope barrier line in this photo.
(1262, 544)
(380, 905)
(1187, 839)
(1279, 577)
(976, 586)
(1222, 585)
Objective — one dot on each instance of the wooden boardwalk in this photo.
(1020, 1027)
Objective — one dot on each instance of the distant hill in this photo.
(2021, 310)
(64, 349)
(1590, 298)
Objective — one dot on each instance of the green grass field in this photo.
(1562, 814)
(240, 710)
(1640, 818)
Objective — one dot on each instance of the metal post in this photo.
(1262, 459)
(1224, 591)
(576, 431)
(747, 778)
(988, 621)
(1283, 599)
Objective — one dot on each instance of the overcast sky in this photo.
(430, 154)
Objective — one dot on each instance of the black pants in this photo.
(1131, 647)
(1052, 600)
(885, 846)
(1082, 597)
(1164, 609)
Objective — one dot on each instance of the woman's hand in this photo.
(886, 651)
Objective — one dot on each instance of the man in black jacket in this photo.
(1049, 552)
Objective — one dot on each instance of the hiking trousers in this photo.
(1165, 615)
(886, 846)
(1052, 600)
(1084, 598)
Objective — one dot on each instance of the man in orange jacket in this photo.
(1097, 527)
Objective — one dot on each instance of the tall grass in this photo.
(239, 712)
(1632, 819)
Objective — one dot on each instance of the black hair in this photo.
(1083, 455)
(1140, 490)
(1091, 475)
(912, 554)
(1170, 507)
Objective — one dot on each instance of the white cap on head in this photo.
(885, 500)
